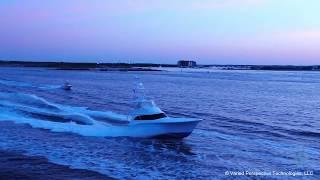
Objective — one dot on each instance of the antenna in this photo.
(139, 90)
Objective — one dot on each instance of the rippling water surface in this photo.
(259, 121)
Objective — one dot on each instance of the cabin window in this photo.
(150, 117)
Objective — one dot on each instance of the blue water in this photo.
(252, 120)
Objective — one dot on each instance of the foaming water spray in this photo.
(38, 112)
(145, 120)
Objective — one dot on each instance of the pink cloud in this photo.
(308, 34)
(293, 45)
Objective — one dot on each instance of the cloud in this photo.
(125, 7)
(119, 7)
(210, 4)
(308, 34)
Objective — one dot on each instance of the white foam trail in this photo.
(16, 106)
(27, 85)
(106, 115)
(15, 83)
(49, 87)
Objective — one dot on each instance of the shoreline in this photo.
(150, 66)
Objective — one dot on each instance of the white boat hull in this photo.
(164, 128)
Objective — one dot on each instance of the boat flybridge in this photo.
(155, 122)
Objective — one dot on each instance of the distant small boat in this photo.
(67, 86)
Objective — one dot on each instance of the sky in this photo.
(161, 31)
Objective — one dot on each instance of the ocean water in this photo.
(252, 121)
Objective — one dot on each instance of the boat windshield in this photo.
(151, 117)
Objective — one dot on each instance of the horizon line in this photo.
(151, 63)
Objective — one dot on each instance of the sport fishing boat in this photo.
(155, 122)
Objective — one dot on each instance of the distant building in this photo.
(186, 63)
